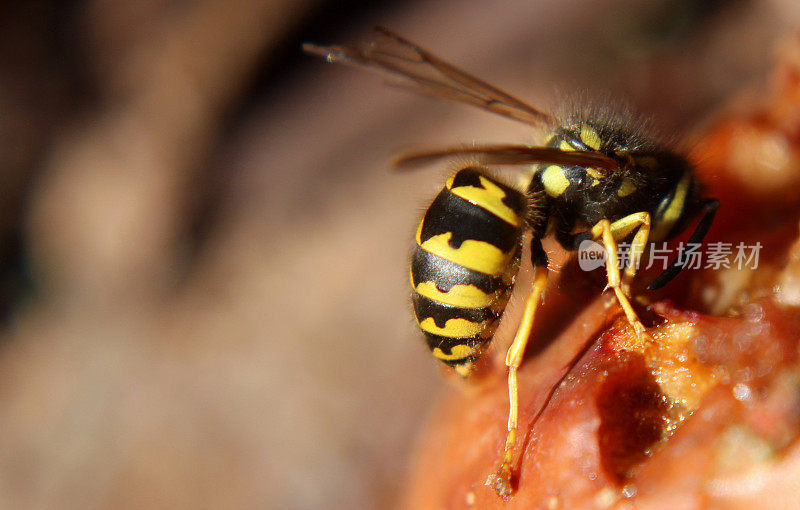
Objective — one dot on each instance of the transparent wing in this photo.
(416, 69)
(512, 155)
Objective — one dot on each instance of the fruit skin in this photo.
(662, 428)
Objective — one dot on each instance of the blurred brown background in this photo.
(203, 253)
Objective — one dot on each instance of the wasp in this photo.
(595, 178)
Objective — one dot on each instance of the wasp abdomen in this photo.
(466, 255)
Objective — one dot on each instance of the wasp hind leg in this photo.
(501, 481)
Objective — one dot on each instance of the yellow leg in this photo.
(501, 482)
(620, 229)
(603, 231)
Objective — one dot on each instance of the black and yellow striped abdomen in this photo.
(464, 262)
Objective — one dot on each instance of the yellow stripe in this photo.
(463, 296)
(476, 255)
(458, 352)
(490, 197)
(554, 180)
(455, 328)
(665, 223)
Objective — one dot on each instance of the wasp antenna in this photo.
(710, 206)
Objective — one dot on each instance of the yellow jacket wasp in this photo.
(595, 178)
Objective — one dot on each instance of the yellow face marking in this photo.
(463, 296)
(476, 255)
(595, 182)
(667, 220)
(455, 328)
(460, 351)
(565, 146)
(589, 137)
(554, 180)
(626, 188)
(490, 197)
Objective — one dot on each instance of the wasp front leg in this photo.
(501, 481)
(621, 229)
(603, 230)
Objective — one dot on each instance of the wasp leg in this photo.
(602, 230)
(621, 229)
(501, 482)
